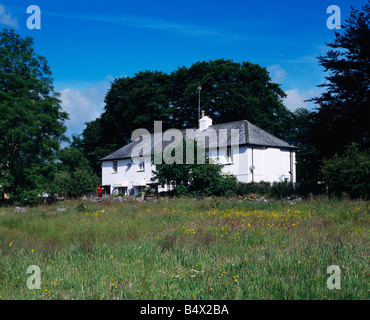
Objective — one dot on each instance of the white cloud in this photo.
(277, 73)
(83, 105)
(7, 19)
(296, 99)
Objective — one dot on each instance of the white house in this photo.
(245, 150)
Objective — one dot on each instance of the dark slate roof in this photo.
(249, 134)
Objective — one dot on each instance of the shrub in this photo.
(276, 189)
(348, 173)
(29, 197)
(227, 186)
(207, 180)
(281, 189)
(244, 188)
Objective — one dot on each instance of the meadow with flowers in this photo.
(186, 249)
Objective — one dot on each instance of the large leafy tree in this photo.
(93, 145)
(131, 103)
(32, 122)
(134, 103)
(75, 175)
(297, 132)
(231, 91)
(344, 108)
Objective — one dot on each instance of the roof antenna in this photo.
(199, 89)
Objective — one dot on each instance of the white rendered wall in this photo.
(270, 165)
(125, 174)
(237, 167)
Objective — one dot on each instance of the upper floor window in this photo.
(114, 166)
(141, 165)
(229, 155)
(207, 155)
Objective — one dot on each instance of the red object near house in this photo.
(99, 190)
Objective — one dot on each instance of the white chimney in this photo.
(204, 122)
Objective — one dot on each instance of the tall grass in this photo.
(186, 249)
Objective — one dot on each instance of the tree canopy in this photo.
(344, 108)
(32, 122)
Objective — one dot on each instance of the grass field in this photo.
(186, 249)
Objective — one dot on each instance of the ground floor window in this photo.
(140, 189)
(105, 189)
(120, 191)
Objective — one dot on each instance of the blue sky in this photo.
(89, 43)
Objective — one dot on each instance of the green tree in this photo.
(344, 108)
(131, 103)
(231, 91)
(75, 175)
(348, 173)
(197, 179)
(342, 113)
(78, 182)
(32, 122)
(298, 132)
(93, 145)
(72, 158)
(177, 173)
